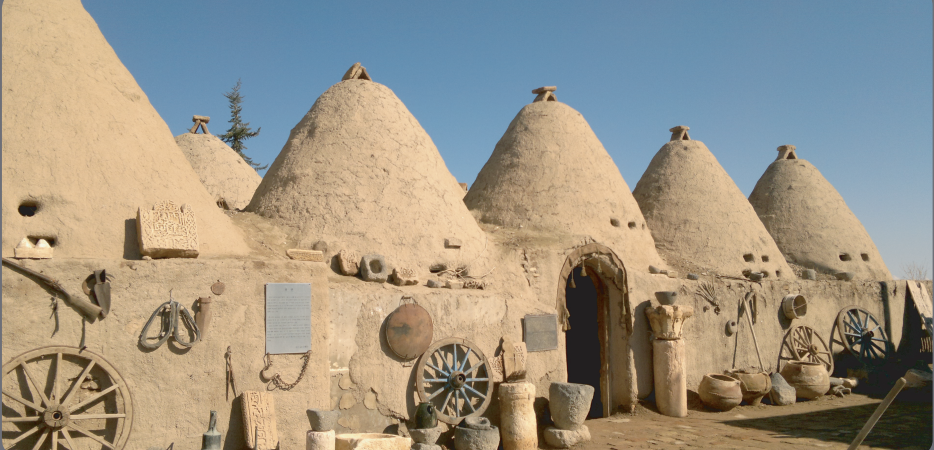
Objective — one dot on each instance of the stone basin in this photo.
(371, 441)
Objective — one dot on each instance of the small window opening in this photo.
(778, 274)
(791, 155)
(614, 221)
(845, 257)
(747, 273)
(765, 273)
(865, 256)
(632, 225)
(28, 209)
(50, 239)
(748, 257)
(643, 226)
(765, 258)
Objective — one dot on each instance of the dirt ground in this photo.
(829, 422)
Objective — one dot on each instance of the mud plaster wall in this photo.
(375, 389)
(173, 390)
(710, 350)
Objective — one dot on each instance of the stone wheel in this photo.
(60, 395)
(858, 332)
(802, 343)
(454, 376)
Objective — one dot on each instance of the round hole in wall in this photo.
(865, 256)
(614, 221)
(28, 208)
(632, 225)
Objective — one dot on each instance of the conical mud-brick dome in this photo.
(222, 171)
(550, 172)
(83, 148)
(698, 216)
(811, 223)
(360, 173)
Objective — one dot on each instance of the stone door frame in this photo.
(607, 273)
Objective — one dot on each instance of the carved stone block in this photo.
(404, 277)
(667, 321)
(259, 420)
(513, 359)
(167, 231)
(349, 262)
(305, 255)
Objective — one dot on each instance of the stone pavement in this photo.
(829, 422)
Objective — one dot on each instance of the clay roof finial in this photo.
(786, 152)
(200, 121)
(356, 72)
(545, 94)
(680, 133)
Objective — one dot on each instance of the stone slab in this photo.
(540, 332)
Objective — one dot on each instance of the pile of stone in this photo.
(569, 404)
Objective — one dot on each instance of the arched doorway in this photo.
(597, 346)
(586, 344)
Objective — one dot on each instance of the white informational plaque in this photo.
(288, 318)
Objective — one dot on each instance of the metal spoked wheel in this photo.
(454, 376)
(802, 343)
(60, 395)
(858, 332)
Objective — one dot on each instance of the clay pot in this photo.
(720, 392)
(569, 404)
(754, 386)
(426, 416)
(666, 297)
(809, 379)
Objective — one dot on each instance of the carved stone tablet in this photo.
(305, 255)
(513, 359)
(167, 231)
(540, 332)
(259, 420)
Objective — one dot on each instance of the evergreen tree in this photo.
(239, 131)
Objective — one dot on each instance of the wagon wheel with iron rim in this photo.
(858, 332)
(62, 395)
(454, 376)
(802, 343)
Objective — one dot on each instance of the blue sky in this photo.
(849, 83)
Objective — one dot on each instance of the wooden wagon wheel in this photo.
(858, 332)
(454, 376)
(60, 395)
(802, 343)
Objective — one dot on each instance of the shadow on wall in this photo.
(233, 439)
(131, 242)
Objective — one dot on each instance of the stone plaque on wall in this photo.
(167, 231)
(540, 332)
(288, 318)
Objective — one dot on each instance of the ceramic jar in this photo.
(810, 379)
(754, 386)
(720, 392)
